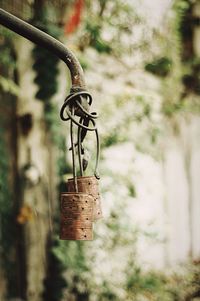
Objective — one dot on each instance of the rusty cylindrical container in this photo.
(76, 216)
(90, 186)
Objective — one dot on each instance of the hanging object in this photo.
(90, 186)
(76, 216)
(80, 204)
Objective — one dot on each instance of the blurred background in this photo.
(142, 65)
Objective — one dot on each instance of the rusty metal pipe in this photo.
(46, 41)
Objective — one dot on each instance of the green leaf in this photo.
(8, 85)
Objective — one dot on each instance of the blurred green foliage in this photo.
(160, 67)
(7, 63)
(96, 41)
(45, 63)
(116, 18)
(8, 89)
(8, 85)
(184, 76)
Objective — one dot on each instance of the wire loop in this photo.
(73, 107)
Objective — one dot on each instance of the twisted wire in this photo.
(73, 101)
(73, 107)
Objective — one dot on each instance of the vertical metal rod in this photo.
(73, 152)
(79, 149)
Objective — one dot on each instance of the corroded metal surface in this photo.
(88, 185)
(79, 234)
(76, 216)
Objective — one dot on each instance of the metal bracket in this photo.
(44, 40)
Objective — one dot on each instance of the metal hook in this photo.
(96, 174)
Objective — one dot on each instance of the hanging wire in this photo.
(73, 152)
(80, 150)
(73, 107)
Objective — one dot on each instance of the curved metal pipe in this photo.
(46, 41)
